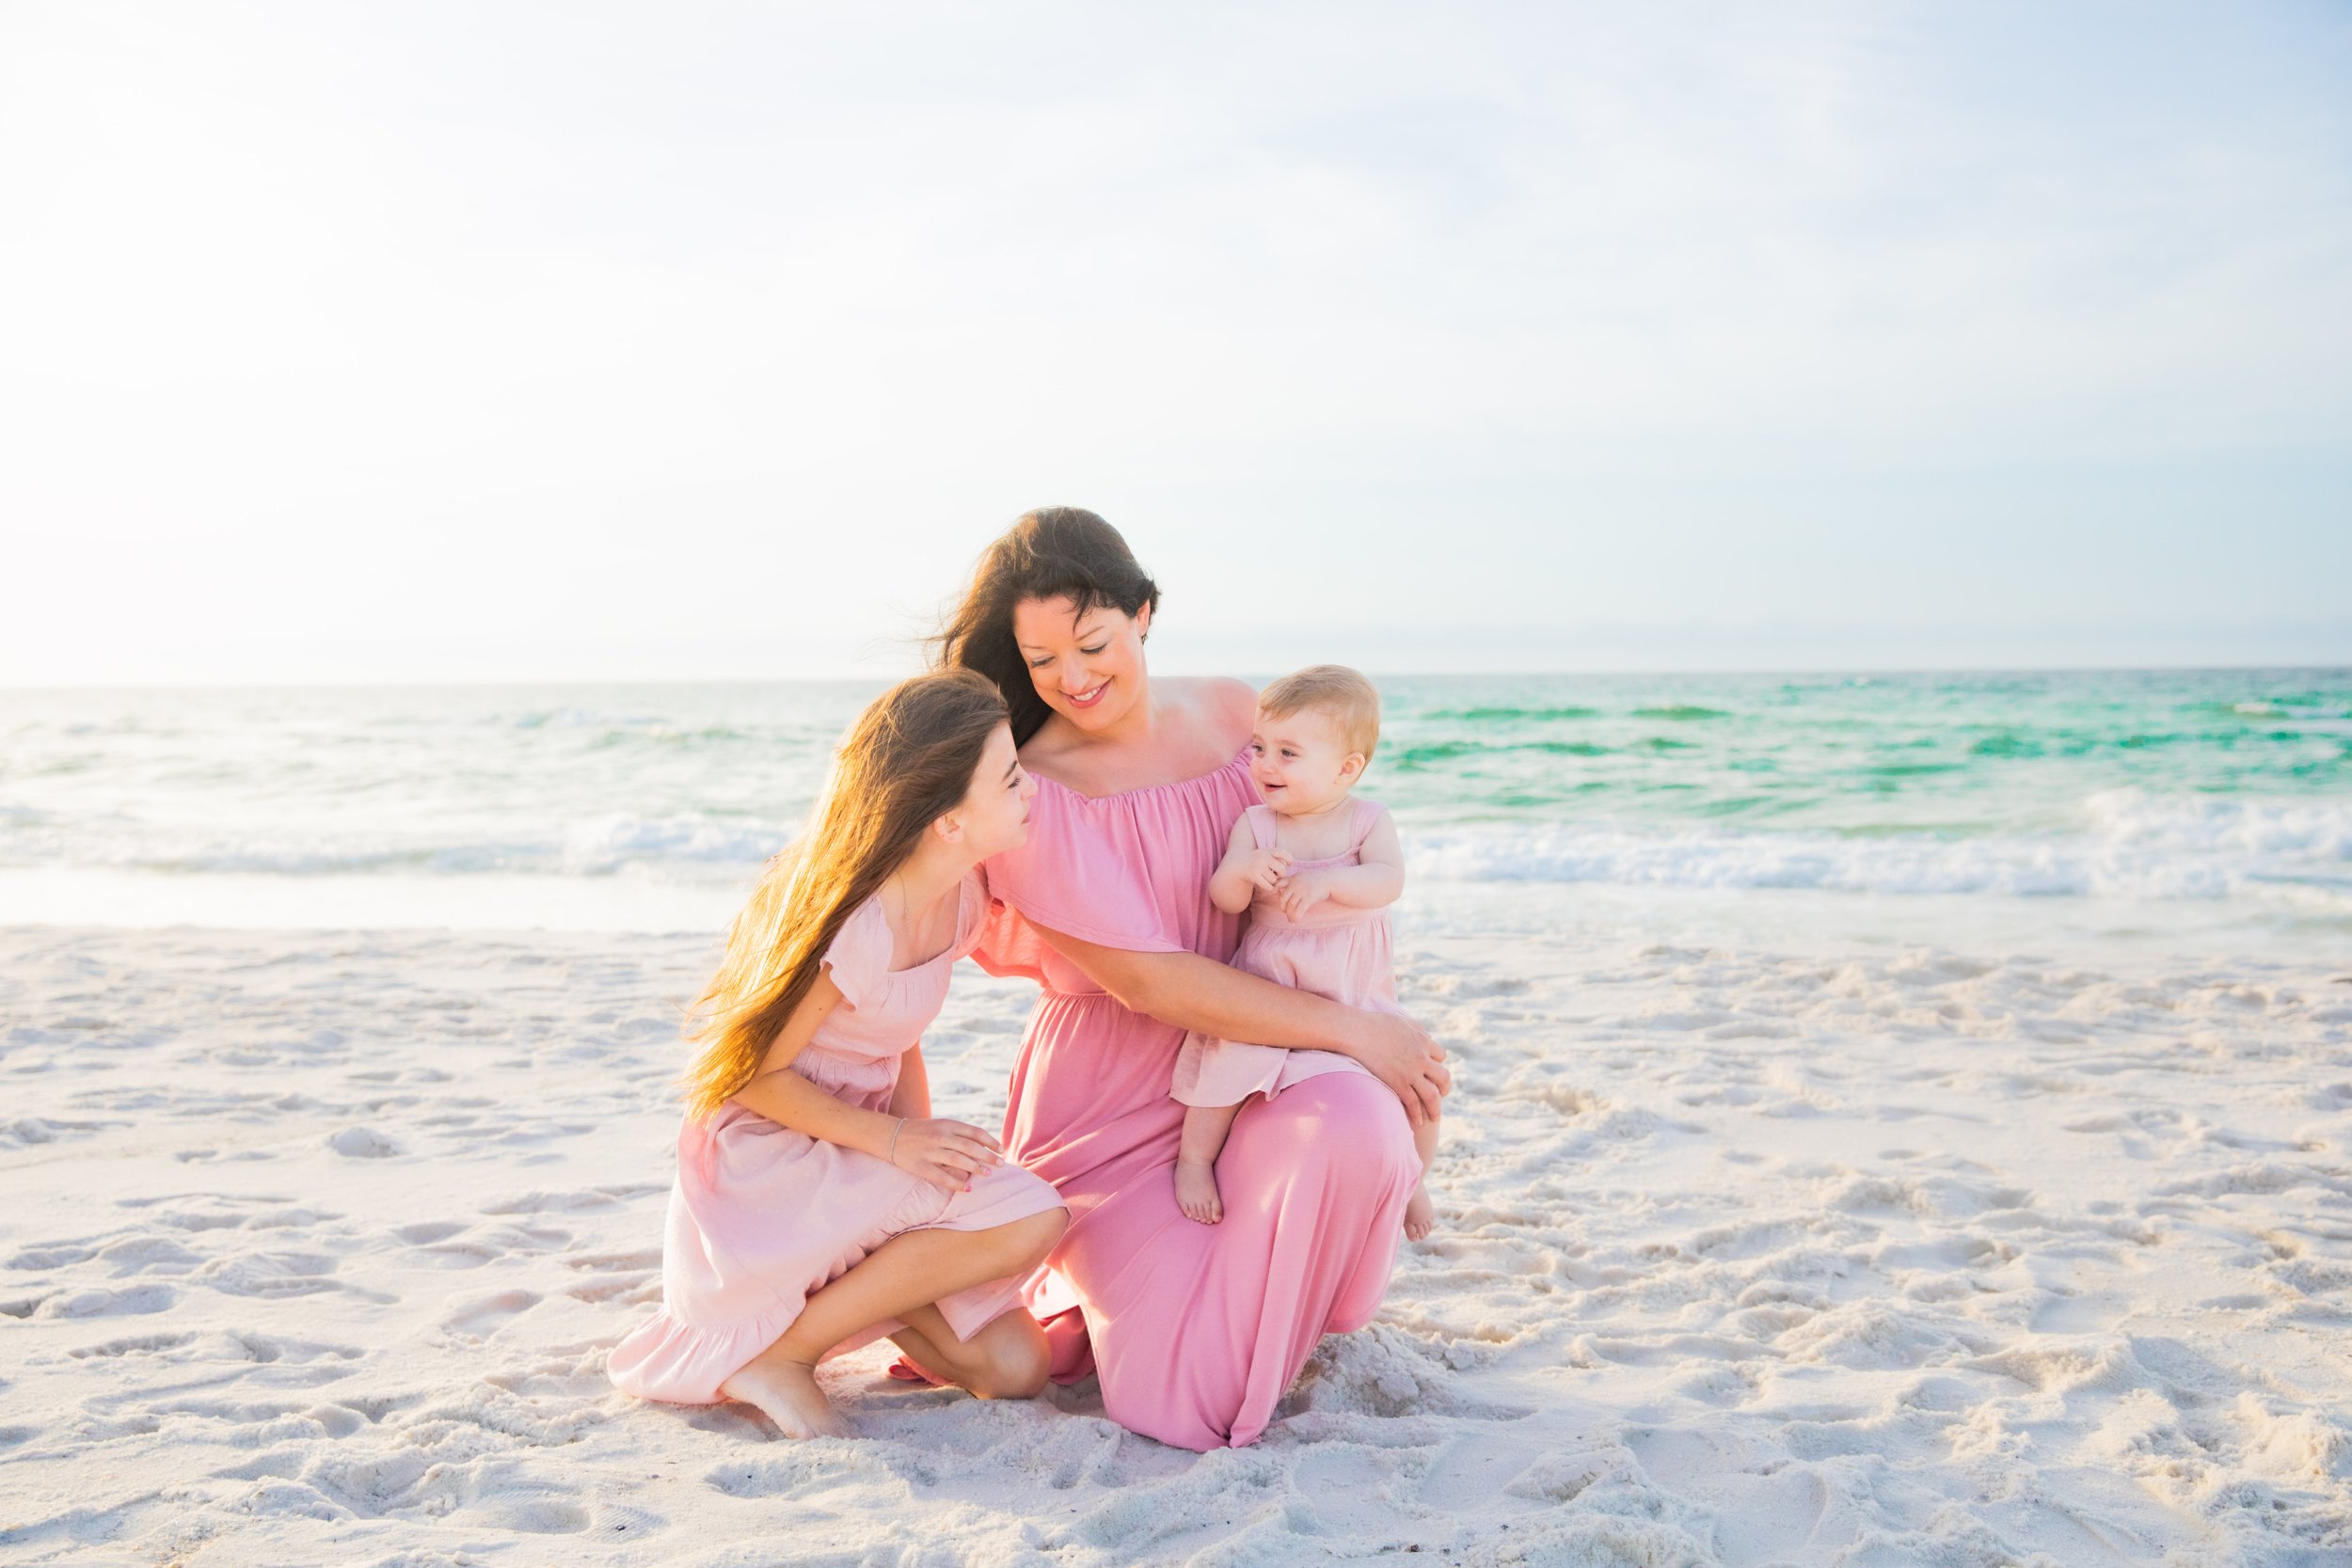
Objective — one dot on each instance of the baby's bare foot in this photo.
(1196, 1192)
(787, 1393)
(1420, 1216)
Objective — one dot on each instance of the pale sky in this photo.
(427, 341)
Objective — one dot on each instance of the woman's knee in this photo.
(1352, 1119)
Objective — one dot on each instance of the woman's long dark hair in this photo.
(1054, 552)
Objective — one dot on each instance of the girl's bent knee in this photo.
(1017, 1371)
(1043, 1233)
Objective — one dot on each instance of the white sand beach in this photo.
(315, 1243)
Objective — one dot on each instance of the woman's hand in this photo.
(1401, 1055)
(945, 1153)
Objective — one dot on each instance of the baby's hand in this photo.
(1265, 868)
(1303, 891)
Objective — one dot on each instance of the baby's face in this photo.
(1302, 762)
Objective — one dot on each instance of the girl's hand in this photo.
(1265, 868)
(945, 1153)
(1401, 1055)
(1302, 892)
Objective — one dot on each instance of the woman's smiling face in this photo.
(1088, 668)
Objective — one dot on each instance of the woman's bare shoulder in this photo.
(1211, 689)
(1223, 706)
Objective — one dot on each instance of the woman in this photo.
(1195, 1330)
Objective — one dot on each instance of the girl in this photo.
(818, 1203)
(1317, 870)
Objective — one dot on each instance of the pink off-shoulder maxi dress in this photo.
(762, 1218)
(1195, 1330)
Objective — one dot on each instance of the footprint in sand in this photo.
(536, 1515)
(617, 1522)
(1475, 1465)
(438, 1243)
(138, 1254)
(363, 1143)
(616, 1262)
(631, 1278)
(458, 1255)
(478, 1320)
(46, 1130)
(54, 1255)
(637, 1290)
(572, 1202)
(144, 1344)
(224, 1210)
(136, 1300)
(270, 1273)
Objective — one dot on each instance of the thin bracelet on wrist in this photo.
(892, 1156)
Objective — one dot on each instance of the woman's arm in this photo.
(1191, 992)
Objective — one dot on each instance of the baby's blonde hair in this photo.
(1335, 692)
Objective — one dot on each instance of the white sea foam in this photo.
(600, 848)
(2133, 845)
(592, 847)
(2315, 830)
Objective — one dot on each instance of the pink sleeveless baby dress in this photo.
(1337, 951)
(762, 1218)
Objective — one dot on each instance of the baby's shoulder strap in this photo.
(1261, 826)
(1367, 816)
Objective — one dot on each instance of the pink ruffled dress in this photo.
(1346, 953)
(1196, 1330)
(762, 1218)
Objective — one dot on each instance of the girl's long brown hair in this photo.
(1053, 552)
(905, 763)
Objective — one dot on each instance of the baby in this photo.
(1317, 870)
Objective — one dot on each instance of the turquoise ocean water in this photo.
(2212, 806)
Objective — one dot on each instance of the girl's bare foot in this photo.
(1420, 1216)
(787, 1393)
(1196, 1192)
